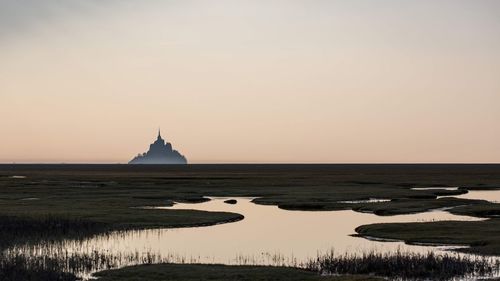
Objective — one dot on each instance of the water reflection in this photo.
(266, 236)
(435, 188)
(371, 200)
(17, 177)
(29, 199)
(489, 195)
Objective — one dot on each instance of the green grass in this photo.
(485, 210)
(167, 272)
(482, 236)
(104, 195)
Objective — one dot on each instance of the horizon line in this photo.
(254, 163)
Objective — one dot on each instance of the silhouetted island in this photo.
(160, 153)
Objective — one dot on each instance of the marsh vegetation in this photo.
(396, 265)
(79, 202)
(406, 266)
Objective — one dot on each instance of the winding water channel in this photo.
(266, 236)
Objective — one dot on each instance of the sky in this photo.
(251, 81)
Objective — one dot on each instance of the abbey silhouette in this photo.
(160, 153)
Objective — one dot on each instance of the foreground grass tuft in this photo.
(20, 269)
(400, 265)
(397, 265)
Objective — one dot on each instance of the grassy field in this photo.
(482, 236)
(168, 272)
(63, 199)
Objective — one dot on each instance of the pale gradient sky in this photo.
(251, 80)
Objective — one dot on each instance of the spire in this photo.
(159, 133)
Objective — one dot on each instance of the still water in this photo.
(488, 195)
(266, 236)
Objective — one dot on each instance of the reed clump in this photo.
(405, 266)
(65, 266)
(21, 268)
